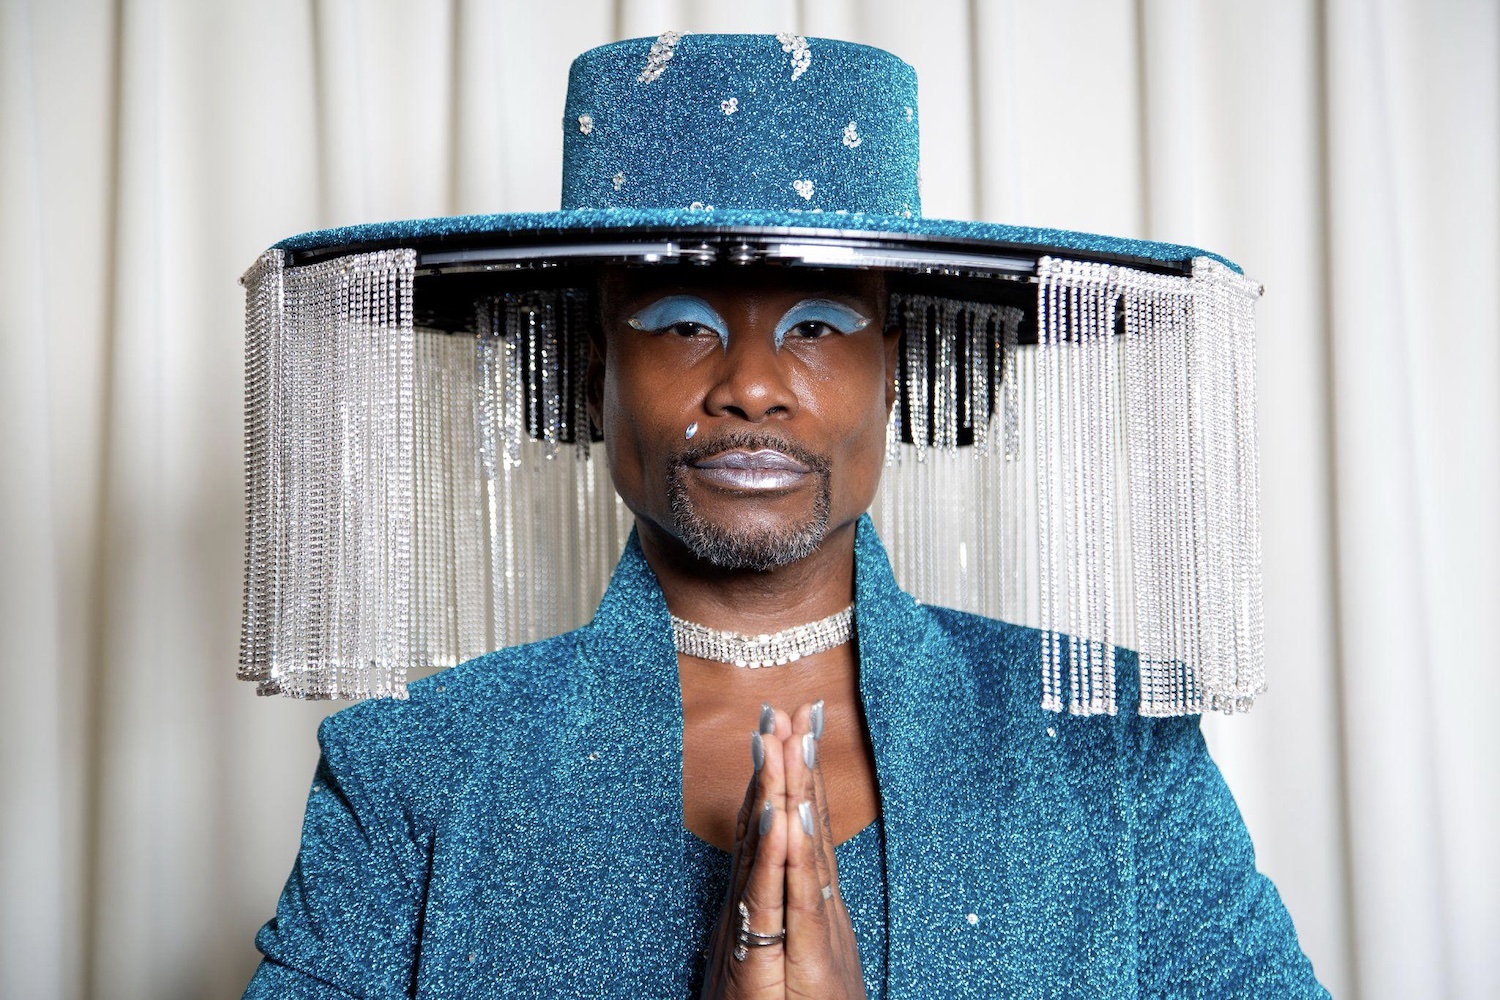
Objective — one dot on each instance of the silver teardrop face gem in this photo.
(692, 429)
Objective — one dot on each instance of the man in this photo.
(763, 770)
(749, 526)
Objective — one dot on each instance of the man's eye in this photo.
(688, 329)
(811, 330)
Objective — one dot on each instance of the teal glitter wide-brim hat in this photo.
(1073, 448)
(749, 134)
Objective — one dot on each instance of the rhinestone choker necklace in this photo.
(786, 646)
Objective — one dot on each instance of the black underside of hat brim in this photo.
(913, 238)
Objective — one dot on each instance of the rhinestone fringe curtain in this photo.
(330, 370)
(417, 497)
(1121, 508)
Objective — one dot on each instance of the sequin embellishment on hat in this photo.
(796, 46)
(659, 56)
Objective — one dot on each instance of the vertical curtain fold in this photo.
(1412, 134)
(34, 916)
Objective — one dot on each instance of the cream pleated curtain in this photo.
(1346, 152)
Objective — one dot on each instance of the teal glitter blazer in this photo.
(515, 828)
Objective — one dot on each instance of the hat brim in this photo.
(845, 239)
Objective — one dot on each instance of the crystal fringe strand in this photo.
(264, 323)
(944, 402)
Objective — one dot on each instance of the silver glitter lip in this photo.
(762, 469)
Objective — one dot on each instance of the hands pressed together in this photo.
(784, 878)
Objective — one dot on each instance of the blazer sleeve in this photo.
(1210, 924)
(345, 925)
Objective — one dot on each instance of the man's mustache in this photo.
(751, 441)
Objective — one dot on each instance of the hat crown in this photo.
(757, 122)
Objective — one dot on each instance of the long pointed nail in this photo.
(817, 719)
(767, 718)
(805, 811)
(757, 751)
(766, 815)
(810, 750)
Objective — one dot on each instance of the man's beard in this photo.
(757, 549)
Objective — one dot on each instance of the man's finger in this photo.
(766, 782)
(807, 924)
(757, 761)
(830, 868)
(759, 908)
(840, 928)
(740, 860)
(817, 812)
(828, 865)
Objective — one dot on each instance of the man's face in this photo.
(744, 410)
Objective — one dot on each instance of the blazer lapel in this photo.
(1003, 853)
(634, 732)
(936, 731)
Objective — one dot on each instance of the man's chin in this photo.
(758, 547)
(757, 531)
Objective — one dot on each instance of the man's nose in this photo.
(752, 380)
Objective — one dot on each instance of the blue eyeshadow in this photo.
(674, 310)
(835, 315)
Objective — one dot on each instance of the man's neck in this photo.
(753, 602)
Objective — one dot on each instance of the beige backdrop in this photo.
(1346, 152)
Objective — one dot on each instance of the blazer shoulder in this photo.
(449, 719)
(988, 639)
(1006, 660)
(1002, 659)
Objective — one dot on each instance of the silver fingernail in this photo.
(757, 751)
(767, 718)
(810, 750)
(805, 811)
(817, 719)
(766, 816)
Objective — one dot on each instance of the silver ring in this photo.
(745, 938)
(754, 940)
(828, 892)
